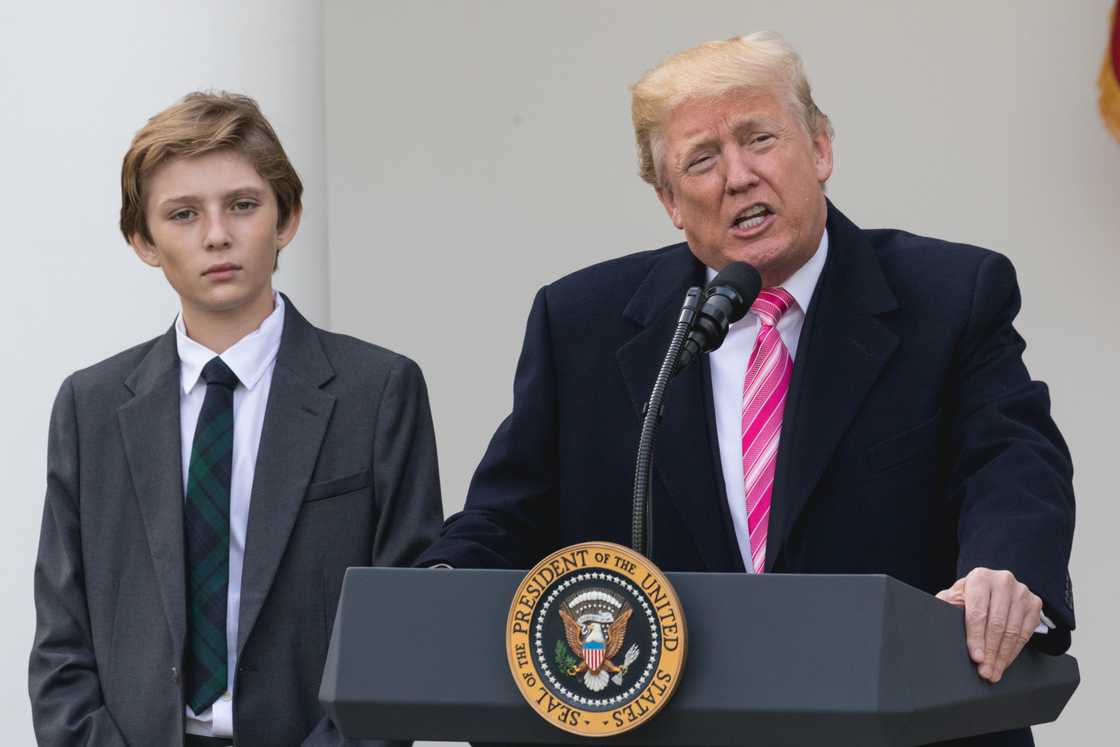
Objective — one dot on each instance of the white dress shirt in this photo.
(729, 367)
(252, 359)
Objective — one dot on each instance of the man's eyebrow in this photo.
(750, 124)
(697, 143)
(692, 147)
(704, 140)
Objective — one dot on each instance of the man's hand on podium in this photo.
(1000, 616)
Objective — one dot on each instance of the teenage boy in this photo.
(206, 490)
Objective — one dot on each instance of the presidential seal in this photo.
(596, 639)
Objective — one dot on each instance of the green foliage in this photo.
(564, 658)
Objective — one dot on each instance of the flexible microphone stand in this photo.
(641, 538)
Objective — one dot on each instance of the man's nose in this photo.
(217, 233)
(741, 175)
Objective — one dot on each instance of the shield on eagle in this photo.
(593, 652)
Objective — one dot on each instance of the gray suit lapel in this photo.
(294, 425)
(150, 427)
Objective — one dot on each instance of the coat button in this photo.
(175, 675)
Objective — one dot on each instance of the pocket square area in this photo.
(317, 491)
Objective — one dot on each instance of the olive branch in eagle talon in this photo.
(564, 659)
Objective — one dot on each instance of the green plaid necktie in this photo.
(207, 533)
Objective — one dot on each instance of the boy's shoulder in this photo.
(113, 372)
(345, 348)
(348, 357)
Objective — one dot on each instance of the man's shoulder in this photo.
(926, 265)
(623, 272)
(604, 289)
(919, 255)
(596, 296)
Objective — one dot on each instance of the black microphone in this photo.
(726, 299)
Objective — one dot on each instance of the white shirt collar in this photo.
(802, 283)
(249, 357)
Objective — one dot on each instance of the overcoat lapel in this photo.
(843, 348)
(294, 425)
(150, 427)
(682, 457)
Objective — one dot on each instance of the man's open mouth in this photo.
(752, 217)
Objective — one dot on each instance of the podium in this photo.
(775, 660)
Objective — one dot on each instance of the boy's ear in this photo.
(147, 252)
(287, 232)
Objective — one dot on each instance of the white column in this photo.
(76, 81)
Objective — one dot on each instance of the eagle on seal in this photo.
(595, 628)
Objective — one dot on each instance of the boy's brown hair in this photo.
(203, 122)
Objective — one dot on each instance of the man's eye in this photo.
(761, 139)
(699, 162)
(243, 205)
(182, 215)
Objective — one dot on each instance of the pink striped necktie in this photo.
(764, 398)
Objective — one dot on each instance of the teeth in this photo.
(753, 217)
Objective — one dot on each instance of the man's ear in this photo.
(146, 251)
(822, 156)
(669, 202)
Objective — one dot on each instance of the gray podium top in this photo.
(775, 660)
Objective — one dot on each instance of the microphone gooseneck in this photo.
(639, 519)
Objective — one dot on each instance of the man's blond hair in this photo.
(762, 61)
(204, 122)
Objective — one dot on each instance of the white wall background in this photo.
(76, 81)
(482, 149)
(478, 150)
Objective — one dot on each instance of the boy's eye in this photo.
(181, 215)
(244, 205)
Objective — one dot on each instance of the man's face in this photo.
(214, 233)
(742, 178)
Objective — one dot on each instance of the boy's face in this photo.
(214, 233)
